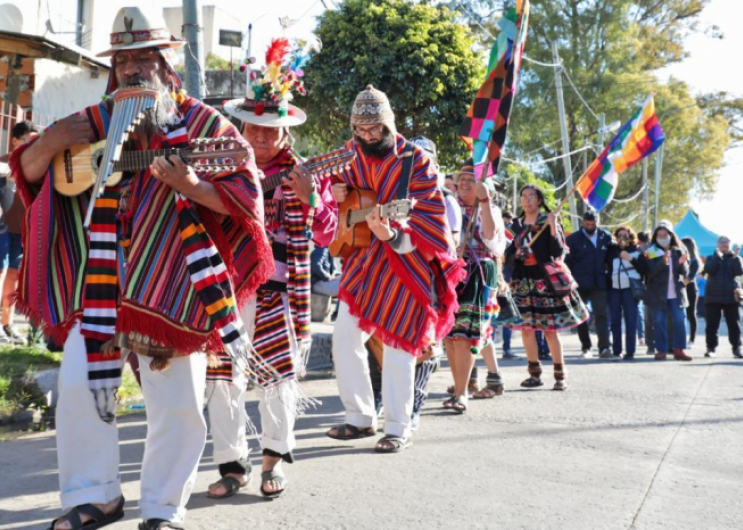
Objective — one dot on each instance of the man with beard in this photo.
(158, 274)
(278, 317)
(401, 288)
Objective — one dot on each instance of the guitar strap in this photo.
(403, 187)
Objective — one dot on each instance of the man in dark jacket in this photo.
(722, 269)
(587, 261)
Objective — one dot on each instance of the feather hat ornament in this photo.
(271, 89)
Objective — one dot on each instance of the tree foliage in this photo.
(423, 60)
(610, 50)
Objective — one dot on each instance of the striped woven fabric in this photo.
(99, 313)
(408, 300)
(158, 300)
(272, 339)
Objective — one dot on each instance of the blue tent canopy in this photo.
(706, 239)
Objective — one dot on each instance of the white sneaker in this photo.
(586, 354)
(4, 339)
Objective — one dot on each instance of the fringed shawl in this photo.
(158, 298)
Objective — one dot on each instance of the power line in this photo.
(565, 71)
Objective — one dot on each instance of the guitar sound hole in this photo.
(96, 161)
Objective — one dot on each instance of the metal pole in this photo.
(600, 136)
(194, 50)
(645, 194)
(515, 192)
(658, 173)
(248, 70)
(565, 142)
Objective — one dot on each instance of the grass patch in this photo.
(16, 361)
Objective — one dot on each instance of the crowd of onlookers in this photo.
(652, 289)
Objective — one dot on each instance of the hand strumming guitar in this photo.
(301, 182)
(340, 192)
(379, 226)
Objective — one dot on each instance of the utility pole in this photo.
(645, 194)
(565, 143)
(658, 173)
(195, 85)
(600, 136)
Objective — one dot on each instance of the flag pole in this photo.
(560, 206)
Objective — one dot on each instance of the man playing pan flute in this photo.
(299, 210)
(168, 257)
(401, 288)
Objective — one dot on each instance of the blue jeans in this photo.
(507, 338)
(641, 319)
(621, 302)
(660, 326)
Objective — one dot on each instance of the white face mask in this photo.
(664, 242)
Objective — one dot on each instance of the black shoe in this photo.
(508, 355)
(629, 357)
(737, 354)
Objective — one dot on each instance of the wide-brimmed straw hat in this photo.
(136, 28)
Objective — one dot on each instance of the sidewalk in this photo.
(643, 445)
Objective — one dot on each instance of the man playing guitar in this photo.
(401, 287)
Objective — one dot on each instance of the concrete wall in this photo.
(62, 89)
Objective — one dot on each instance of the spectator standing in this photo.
(722, 269)
(702, 285)
(692, 290)
(508, 353)
(587, 261)
(667, 268)
(625, 263)
(644, 313)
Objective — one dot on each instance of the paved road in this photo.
(645, 445)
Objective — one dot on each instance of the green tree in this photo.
(215, 62)
(414, 52)
(609, 51)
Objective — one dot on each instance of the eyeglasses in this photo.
(373, 131)
(529, 197)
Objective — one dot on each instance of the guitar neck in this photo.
(136, 160)
(314, 165)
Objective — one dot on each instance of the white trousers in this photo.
(87, 447)
(352, 373)
(226, 406)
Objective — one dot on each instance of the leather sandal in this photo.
(99, 519)
(275, 475)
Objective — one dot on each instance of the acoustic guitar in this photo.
(330, 162)
(353, 232)
(75, 169)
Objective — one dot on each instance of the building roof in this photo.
(40, 47)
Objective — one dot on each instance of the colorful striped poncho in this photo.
(288, 216)
(157, 299)
(407, 300)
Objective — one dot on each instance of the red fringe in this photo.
(277, 51)
(24, 188)
(132, 317)
(370, 327)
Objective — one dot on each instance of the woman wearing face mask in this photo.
(667, 267)
(625, 262)
(540, 308)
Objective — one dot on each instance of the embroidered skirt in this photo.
(477, 303)
(540, 309)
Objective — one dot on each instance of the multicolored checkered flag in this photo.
(484, 129)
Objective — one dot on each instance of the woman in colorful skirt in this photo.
(540, 308)
(477, 293)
